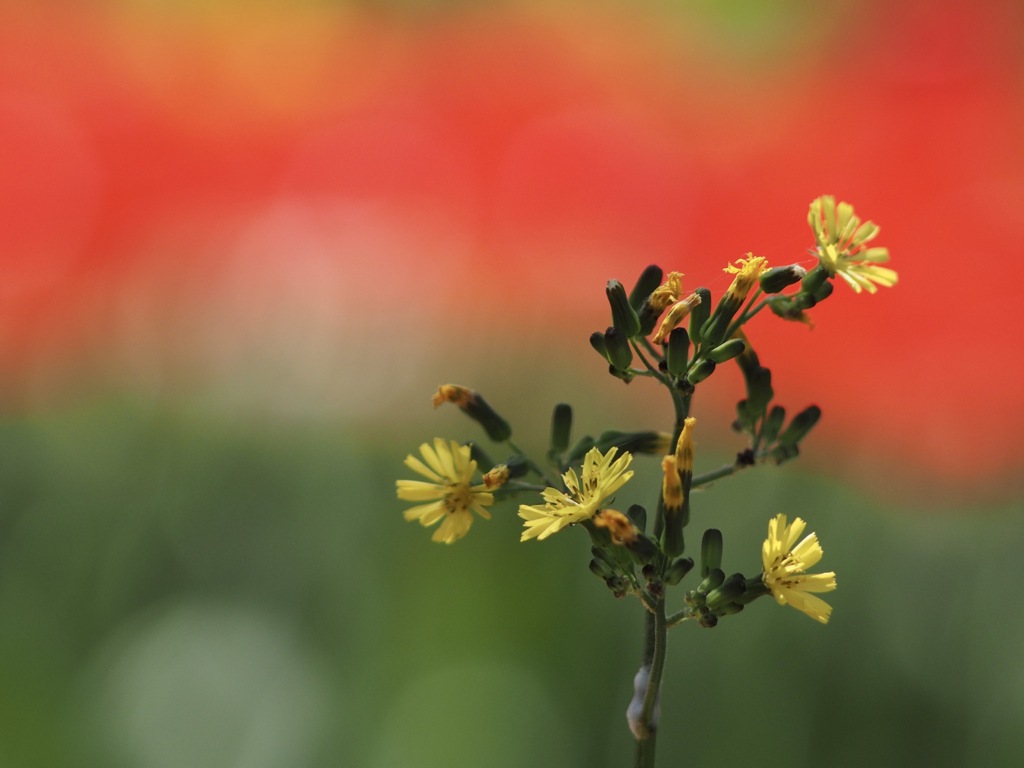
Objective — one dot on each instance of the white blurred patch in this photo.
(212, 686)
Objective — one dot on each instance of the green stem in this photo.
(715, 474)
(655, 636)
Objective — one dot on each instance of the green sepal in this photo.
(710, 551)
(643, 549)
(712, 580)
(727, 351)
(624, 317)
(814, 279)
(722, 599)
(699, 315)
(649, 280)
(673, 541)
(801, 424)
(677, 352)
(824, 291)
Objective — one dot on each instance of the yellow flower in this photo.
(449, 495)
(842, 246)
(747, 274)
(620, 528)
(675, 315)
(784, 567)
(668, 292)
(582, 498)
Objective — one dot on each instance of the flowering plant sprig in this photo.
(678, 339)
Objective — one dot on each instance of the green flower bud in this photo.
(728, 350)
(801, 424)
(779, 278)
(561, 426)
(649, 279)
(678, 570)
(517, 465)
(601, 569)
(643, 549)
(678, 351)
(597, 342)
(624, 317)
(619, 354)
(699, 314)
(710, 551)
(773, 423)
(477, 454)
(701, 371)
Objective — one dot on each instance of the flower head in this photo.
(602, 476)
(675, 315)
(747, 273)
(842, 246)
(668, 292)
(784, 566)
(449, 495)
(620, 528)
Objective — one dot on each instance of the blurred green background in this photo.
(183, 588)
(242, 243)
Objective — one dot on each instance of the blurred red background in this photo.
(182, 190)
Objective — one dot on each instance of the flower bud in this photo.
(701, 371)
(720, 599)
(678, 570)
(801, 424)
(649, 442)
(561, 426)
(773, 423)
(727, 351)
(710, 551)
(646, 284)
(620, 356)
(700, 314)
(496, 477)
(713, 579)
(779, 278)
(678, 351)
(624, 317)
(597, 342)
(601, 569)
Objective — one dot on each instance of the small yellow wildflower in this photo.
(784, 567)
(842, 246)
(449, 495)
(668, 292)
(675, 315)
(601, 477)
(747, 273)
(496, 476)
